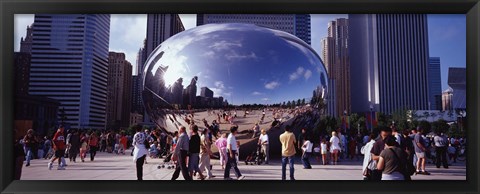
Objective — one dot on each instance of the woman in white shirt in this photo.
(140, 151)
(367, 156)
(323, 151)
(263, 141)
(307, 151)
(334, 147)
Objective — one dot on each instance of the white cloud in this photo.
(272, 85)
(265, 99)
(257, 93)
(227, 94)
(308, 74)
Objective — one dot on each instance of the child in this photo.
(153, 151)
(83, 147)
(451, 153)
(123, 144)
(316, 150)
(323, 150)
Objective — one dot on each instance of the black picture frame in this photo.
(10, 7)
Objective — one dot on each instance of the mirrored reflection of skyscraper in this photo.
(389, 62)
(159, 28)
(70, 64)
(296, 24)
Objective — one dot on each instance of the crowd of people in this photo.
(389, 155)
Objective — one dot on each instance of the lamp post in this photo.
(371, 117)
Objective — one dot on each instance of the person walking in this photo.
(288, 141)
(194, 152)
(93, 145)
(180, 154)
(140, 152)
(392, 160)
(205, 153)
(221, 144)
(232, 149)
(441, 145)
(83, 146)
(59, 148)
(307, 151)
(29, 142)
(334, 147)
(74, 146)
(263, 141)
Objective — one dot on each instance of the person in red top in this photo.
(123, 142)
(93, 144)
(59, 148)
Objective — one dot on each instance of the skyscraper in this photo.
(119, 90)
(389, 62)
(159, 28)
(296, 24)
(457, 80)
(26, 43)
(70, 64)
(336, 60)
(447, 100)
(434, 84)
(22, 72)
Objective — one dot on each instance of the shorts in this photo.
(324, 152)
(59, 153)
(420, 154)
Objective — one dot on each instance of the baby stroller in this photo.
(167, 162)
(255, 157)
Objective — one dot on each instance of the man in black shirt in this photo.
(194, 149)
(378, 147)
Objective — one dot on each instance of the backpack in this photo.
(408, 168)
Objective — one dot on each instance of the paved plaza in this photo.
(121, 167)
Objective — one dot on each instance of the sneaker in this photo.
(241, 177)
(28, 164)
(50, 166)
(426, 173)
(61, 168)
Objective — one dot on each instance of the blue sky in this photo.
(447, 36)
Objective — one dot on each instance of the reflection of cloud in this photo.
(272, 85)
(257, 93)
(295, 75)
(219, 84)
(224, 45)
(265, 99)
(233, 55)
(208, 54)
(308, 74)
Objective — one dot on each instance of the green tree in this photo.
(440, 126)
(426, 126)
(303, 101)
